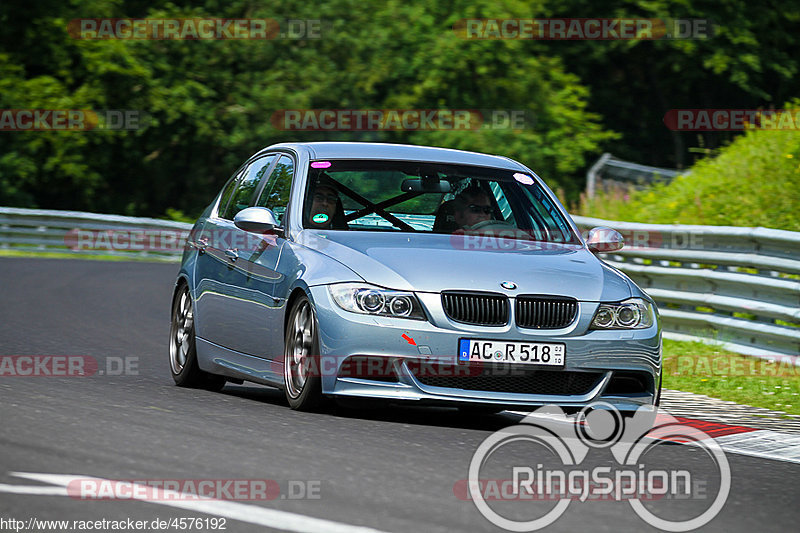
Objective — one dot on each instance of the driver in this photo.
(472, 206)
(323, 207)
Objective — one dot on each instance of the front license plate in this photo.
(526, 353)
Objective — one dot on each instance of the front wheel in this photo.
(182, 348)
(301, 369)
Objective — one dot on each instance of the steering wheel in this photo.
(497, 224)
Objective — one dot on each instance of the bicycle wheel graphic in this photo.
(696, 438)
(535, 435)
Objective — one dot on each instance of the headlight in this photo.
(371, 300)
(630, 314)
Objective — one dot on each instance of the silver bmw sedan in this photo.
(408, 273)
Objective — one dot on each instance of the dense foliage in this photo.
(209, 103)
(753, 182)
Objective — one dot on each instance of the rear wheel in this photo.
(301, 369)
(182, 348)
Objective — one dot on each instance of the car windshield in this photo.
(403, 196)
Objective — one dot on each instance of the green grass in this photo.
(710, 370)
(56, 255)
(755, 181)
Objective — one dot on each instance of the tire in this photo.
(301, 370)
(182, 347)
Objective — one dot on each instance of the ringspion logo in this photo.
(637, 471)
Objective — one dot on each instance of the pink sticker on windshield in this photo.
(320, 164)
(523, 178)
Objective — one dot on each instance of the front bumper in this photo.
(600, 360)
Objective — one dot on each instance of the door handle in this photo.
(232, 254)
(200, 244)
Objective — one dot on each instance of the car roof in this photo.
(399, 152)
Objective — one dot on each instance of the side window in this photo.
(245, 186)
(226, 193)
(546, 217)
(275, 195)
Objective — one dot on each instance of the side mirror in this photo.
(255, 219)
(602, 240)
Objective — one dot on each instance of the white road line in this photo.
(252, 514)
(37, 490)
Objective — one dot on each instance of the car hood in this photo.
(433, 263)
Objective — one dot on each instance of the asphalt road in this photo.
(392, 469)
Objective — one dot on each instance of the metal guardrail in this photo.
(740, 286)
(608, 170)
(81, 234)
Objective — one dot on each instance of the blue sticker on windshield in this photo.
(320, 218)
